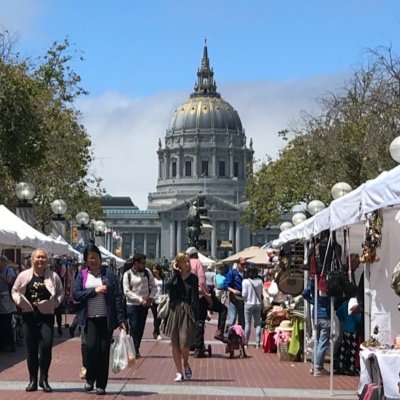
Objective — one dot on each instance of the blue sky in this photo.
(271, 60)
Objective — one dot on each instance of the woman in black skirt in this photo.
(180, 325)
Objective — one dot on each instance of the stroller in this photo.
(235, 341)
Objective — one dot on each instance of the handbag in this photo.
(290, 281)
(163, 307)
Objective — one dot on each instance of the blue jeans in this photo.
(232, 314)
(252, 311)
(323, 328)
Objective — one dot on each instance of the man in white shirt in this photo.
(139, 290)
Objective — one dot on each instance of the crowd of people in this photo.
(107, 300)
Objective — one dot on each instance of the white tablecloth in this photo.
(389, 366)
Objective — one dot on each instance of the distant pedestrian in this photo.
(7, 306)
(160, 290)
(139, 291)
(252, 292)
(220, 292)
(37, 291)
(323, 328)
(180, 325)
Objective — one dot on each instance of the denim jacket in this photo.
(113, 297)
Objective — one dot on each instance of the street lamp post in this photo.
(82, 218)
(25, 192)
(58, 223)
(99, 233)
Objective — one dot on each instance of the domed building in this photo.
(204, 156)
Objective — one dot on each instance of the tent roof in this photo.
(376, 193)
(253, 254)
(119, 261)
(15, 232)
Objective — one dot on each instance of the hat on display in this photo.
(285, 325)
(191, 250)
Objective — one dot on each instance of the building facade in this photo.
(204, 156)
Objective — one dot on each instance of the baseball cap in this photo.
(191, 250)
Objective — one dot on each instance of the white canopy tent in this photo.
(107, 254)
(14, 232)
(205, 260)
(71, 251)
(348, 211)
(377, 193)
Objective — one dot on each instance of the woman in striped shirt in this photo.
(98, 292)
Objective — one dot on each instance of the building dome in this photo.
(205, 112)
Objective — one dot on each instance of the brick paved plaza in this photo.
(261, 375)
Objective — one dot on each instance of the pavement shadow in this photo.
(134, 393)
(7, 360)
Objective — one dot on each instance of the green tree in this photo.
(348, 142)
(41, 139)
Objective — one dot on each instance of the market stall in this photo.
(14, 232)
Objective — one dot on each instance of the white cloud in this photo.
(125, 131)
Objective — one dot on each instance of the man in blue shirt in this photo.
(233, 284)
(323, 328)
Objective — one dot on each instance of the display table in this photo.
(382, 367)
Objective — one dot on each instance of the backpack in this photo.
(395, 283)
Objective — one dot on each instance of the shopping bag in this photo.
(131, 351)
(119, 352)
(163, 307)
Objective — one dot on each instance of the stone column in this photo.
(231, 231)
(238, 244)
(179, 237)
(214, 242)
(145, 242)
(158, 246)
(231, 164)
(133, 243)
(214, 164)
(172, 241)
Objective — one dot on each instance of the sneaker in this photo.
(159, 337)
(188, 372)
(178, 377)
(311, 371)
(321, 372)
(219, 336)
(258, 346)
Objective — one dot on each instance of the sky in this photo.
(271, 60)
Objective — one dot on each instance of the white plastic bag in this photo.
(131, 351)
(119, 353)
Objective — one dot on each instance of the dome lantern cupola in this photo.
(205, 85)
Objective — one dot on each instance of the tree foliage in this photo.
(41, 138)
(348, 142)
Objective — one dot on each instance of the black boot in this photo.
(44, 384)
(32, 387)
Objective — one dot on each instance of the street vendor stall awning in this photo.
(14, 232)
(376, 193)
(252, 254)
(107, 254)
